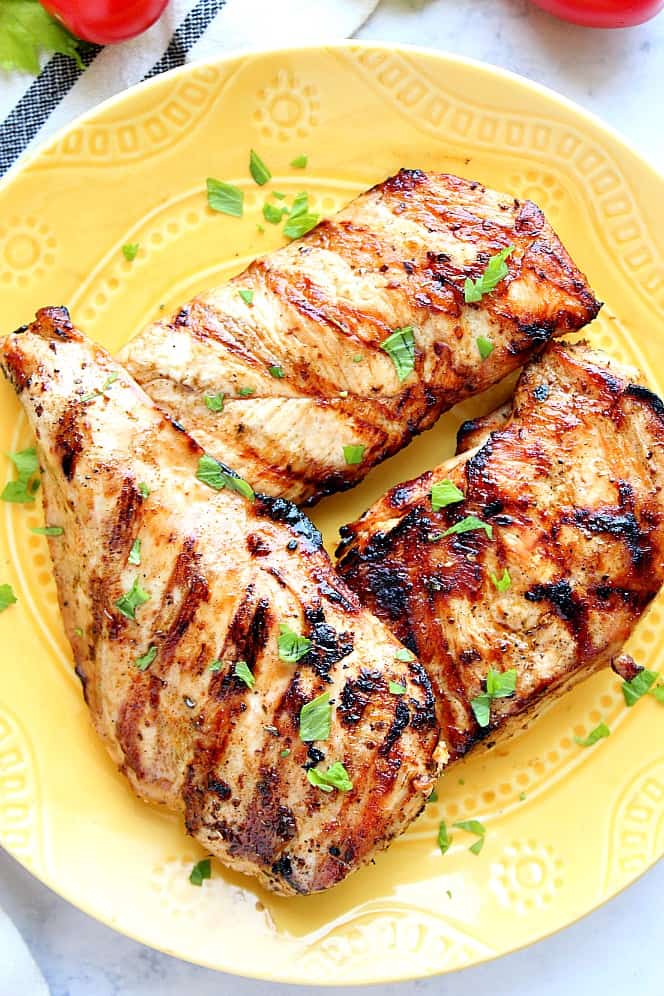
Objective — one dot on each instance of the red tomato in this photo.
(105, 21)
(603, 13)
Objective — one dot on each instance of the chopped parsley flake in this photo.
(404, 655)
(400, 347)
(111, 379)
(279, 196)
(276, 371)
(484, 346)
(135, 552)
(396, 688)
(22, 490)
(469, 523)
(658, 694)
(214, 402)
(499, 685)
(599, 733)
(47, 530)
(129, 251)
(336, 777)
(259, 171)
(291, 645)
(353, 453)
(639, 686)
(301, 220)
(444, 839)
(242, 671)
(316, 719)
(132, 600)
(215, 666)
(247, 296)
(143, 663)
(246, 392)
(473, 826)
(285, 752)
(496, 270)
(503, 583)
(225, 198)
(433, 796)
(273, 213)
(200, 871)
(210, 473)
(445, 493)
(357, 358)
(143, 490)
(299, 162)
(7, 597)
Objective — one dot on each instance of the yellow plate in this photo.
(566, 827)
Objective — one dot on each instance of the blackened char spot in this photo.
(540, 331)
(399, 724)
(327, 646)
(284, 868)
(248, 631)
(281, 510)
(391, 588)
(565, 602)
(622, 525)
(647, 397)
(425, 712)
(69, 440)
(356, 695)
(314, 757)
(286, 827)
(219, 787)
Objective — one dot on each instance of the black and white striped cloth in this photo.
(31, 109)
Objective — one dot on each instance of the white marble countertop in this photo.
(619, 76)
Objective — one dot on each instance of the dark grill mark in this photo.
(622, 525)
(281, 510)
(424, 716)
(185, 578)
(69, 439)
(220, 788)
(563, 600)
(391, 588)
(648, 398)
(356, 695)
(328, 646)
(128, 503)
(399, 724)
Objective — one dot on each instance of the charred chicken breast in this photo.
(231, 674)
(533, 552)
(361, 333)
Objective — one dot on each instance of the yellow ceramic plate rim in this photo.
(623, 149)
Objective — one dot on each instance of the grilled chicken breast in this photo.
(568, 488)
(308, 368)
(174, 596)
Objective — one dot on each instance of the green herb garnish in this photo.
(396, 688)
(215, 666)
(132, 600)
(242, 671)
(484, 346)
(143, 663)
(301, 220)
(224, 197)
(273, 213)
(247, 296)
(316, 719)
(210, 473)
(353, 453)
(444, 839)
(639, 686)
(47, 530)
(22, 490)
(258, 169)
(135, 553)
(129, 251)
(502, 584)
(473, 826)
(400, 347)
(201, 870)
(445, 493)
(7, 597)
(336, 777)
(496, 270)
(285, 752)
(26, 29)
(276, 371)
(598, 733)
(214, 402)
(499, 685)
(404, 654)
(143, 490)
(299, 162)
(291, 645)
(246, 392)
(469, 523)
(433, 796)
